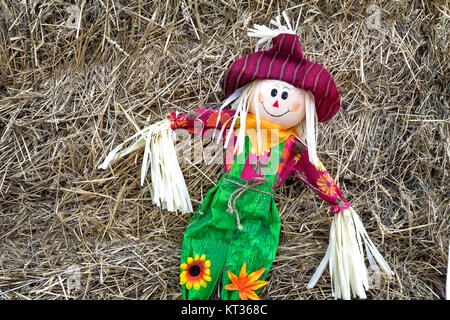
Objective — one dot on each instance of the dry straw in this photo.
(72, 90)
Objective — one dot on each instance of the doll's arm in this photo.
(348, 237)
(201, 121)
(320, 181)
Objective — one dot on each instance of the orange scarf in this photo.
(272, 134)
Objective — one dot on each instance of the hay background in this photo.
(66, 101)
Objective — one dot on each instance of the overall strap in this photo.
(269, 170)
(240, 160)
(273, 163)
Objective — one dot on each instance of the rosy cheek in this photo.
(295, 106)
(260, 96)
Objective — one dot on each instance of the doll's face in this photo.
(279, 102)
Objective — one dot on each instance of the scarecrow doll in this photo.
(277, 96)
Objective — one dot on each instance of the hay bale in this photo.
(72, 89)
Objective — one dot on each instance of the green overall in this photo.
(214, 232)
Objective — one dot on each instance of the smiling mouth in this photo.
(273, 115)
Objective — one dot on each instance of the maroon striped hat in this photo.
(285, 62)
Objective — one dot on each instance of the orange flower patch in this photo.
(327, 184)
(181, 122)
(212, 120)
(246, 285)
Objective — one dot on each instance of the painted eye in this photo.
(284, 95)
(274, 92)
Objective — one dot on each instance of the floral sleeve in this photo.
(319, 180)
(201, 121)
